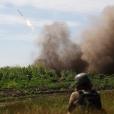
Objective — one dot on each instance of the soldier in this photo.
(87, 99)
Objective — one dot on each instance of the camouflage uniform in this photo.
(86, 101)
(72, 104)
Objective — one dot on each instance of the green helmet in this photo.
(82, 80)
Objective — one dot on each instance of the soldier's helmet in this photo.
(83, 81)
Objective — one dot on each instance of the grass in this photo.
(52, 104)
(45, 78)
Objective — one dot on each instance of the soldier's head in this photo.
(83, 82)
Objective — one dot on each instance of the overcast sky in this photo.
(17, 40)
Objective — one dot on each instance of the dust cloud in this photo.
(94, 54)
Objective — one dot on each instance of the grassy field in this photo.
(50, 104)
(25, 80)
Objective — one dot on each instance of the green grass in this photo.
(43, 78)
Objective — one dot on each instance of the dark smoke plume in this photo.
(58, 51)
(94, 54)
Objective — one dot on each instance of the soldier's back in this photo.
(89, 102)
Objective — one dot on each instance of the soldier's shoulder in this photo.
(75, 94)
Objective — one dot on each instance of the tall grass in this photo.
(53, 104)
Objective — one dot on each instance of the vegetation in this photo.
(51, 104)
(41, 78)
(29, 81)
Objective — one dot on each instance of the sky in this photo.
(18, 40)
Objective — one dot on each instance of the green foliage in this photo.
(101, 81)
(43, 78)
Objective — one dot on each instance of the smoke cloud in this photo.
(98, 43)
(94, 54)
(58, 51)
